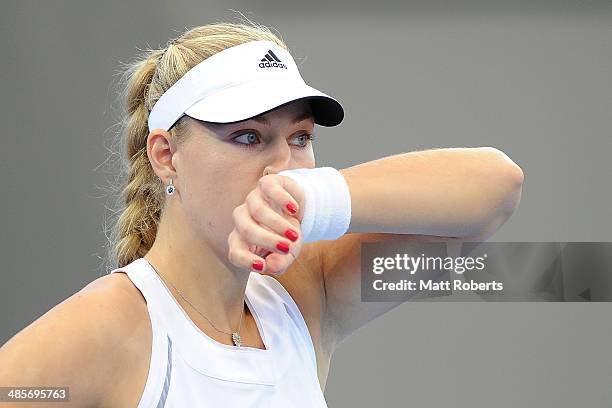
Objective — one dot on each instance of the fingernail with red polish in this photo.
(291, 234)
(282, 247)
(257, 265)
(292, 208)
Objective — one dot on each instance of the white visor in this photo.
(239, 83)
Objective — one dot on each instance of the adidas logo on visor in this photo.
(270, 60)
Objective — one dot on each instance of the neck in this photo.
(202, 275)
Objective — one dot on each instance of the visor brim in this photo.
(245, 101)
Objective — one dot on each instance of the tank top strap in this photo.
(161, 347)
(141, 278)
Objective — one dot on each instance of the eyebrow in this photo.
(299, 118)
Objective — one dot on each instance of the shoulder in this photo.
(83, 343)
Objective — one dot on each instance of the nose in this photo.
(281, 161)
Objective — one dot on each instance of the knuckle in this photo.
(251, 203)
(232, 253)
(241, 230)
(234, 257)
(251, 196)
(247, 234)
(236, 213)
(261, 181)
(266, 182)
(257, 211)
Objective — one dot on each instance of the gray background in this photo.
(530, 78)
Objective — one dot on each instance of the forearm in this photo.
(454, 192)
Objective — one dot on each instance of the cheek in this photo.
(211, 193)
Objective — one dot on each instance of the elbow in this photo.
(515, 192)
(509, 179)
(505, 195)
(514, 176)
(497, 219)
(509, 168)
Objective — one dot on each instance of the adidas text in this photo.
(274, 64)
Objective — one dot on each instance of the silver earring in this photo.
(170, 188)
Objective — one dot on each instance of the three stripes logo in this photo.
(270, 60)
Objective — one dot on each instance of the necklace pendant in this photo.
(236, 339)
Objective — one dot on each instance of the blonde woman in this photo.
(237, 260)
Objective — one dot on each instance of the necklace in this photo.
(235, 335)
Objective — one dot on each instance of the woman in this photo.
(237, 260)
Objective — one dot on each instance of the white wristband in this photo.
(327, 206)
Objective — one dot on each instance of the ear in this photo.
(160, 150)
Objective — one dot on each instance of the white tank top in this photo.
(190, 369)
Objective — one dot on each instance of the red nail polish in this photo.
(257, 265)
(291, 234)
(292, 208)
(282, 247)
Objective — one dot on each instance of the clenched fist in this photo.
(267, 235)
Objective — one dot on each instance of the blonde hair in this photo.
(142, 193)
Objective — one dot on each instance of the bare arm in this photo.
(444, 195)
(455, 192)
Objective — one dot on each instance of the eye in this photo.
(249, 139)
(304, 139)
